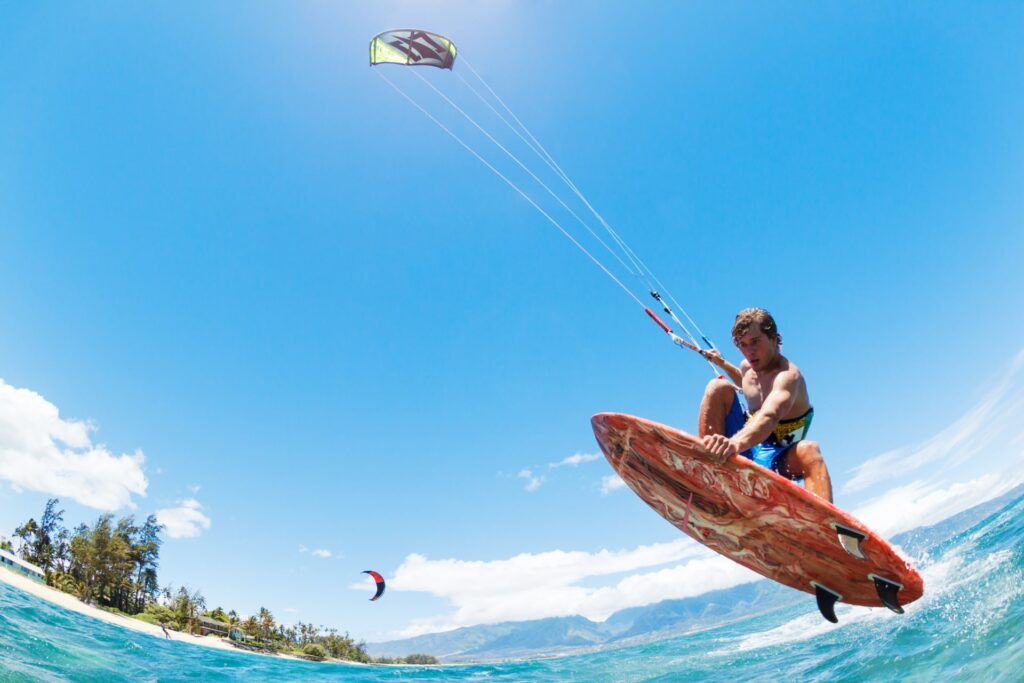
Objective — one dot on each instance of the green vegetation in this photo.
(148, 618)
(113, 565)
(110, 565)
(313, 651)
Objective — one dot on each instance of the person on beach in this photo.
(773, 433)
(166, 634)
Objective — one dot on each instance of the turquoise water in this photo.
(969, 625)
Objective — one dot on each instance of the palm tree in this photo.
(266, 622)
(251, 626)
(187, 607)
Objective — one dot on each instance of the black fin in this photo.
(887, 591)
(827, 599)
(851, 539)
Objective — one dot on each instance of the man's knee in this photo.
(809, 453)
(802, 460)
(720, 389)
(813, 470)
(714, 408)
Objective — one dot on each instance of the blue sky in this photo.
(232, 250)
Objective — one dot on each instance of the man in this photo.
(773, 433)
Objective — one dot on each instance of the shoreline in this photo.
(70, 602)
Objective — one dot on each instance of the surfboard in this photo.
(756, 517)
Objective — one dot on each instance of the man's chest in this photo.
(756, 389)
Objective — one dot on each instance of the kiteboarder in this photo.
(773, 432)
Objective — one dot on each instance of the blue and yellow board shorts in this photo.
(769, 452)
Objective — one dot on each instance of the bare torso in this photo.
(757, 386)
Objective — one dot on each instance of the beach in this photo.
(72, 603)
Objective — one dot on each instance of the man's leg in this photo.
(804, 461)
(717, 401)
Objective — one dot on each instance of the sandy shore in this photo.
(70, 602)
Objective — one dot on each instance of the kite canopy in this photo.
(379, 581)
(413, 48)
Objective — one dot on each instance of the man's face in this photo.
(758, 348)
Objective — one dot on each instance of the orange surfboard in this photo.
(756, 517)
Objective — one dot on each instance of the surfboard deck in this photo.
(756, 517)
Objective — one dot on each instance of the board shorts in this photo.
(769, 452)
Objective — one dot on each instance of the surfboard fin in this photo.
(827, 599)
(850, 539)
(887, 593)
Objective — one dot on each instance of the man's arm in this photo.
(777, 404)
(732, 372)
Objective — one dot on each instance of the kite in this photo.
(380, 583)
(413, 48)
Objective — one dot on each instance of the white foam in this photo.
(805, 627)
(941, 577)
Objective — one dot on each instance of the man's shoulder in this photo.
(788, 372)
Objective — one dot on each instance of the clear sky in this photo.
(274, 302)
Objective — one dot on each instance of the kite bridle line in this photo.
(523, 166)
(641, 269)
(516, 188)
(635, 265)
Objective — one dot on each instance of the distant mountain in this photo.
(918, 540)
(558, 635)
(710, 609)
(561, 635)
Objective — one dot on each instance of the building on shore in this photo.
(208, 626)
(15, 563)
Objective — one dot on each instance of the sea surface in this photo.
(968, 626)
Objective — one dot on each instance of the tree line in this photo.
(113, 564)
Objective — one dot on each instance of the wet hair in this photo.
(749, 317)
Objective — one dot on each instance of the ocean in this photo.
(968, 626)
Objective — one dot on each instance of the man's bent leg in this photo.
(717, 401)
(803, 461)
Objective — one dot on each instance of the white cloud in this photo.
(611, 482)
(533, 482)
(185, 521)
(922, 503)
(316, 552)
(534, 586)
(966, 438)
(977, 458)
(40, 451)
(577, 459)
